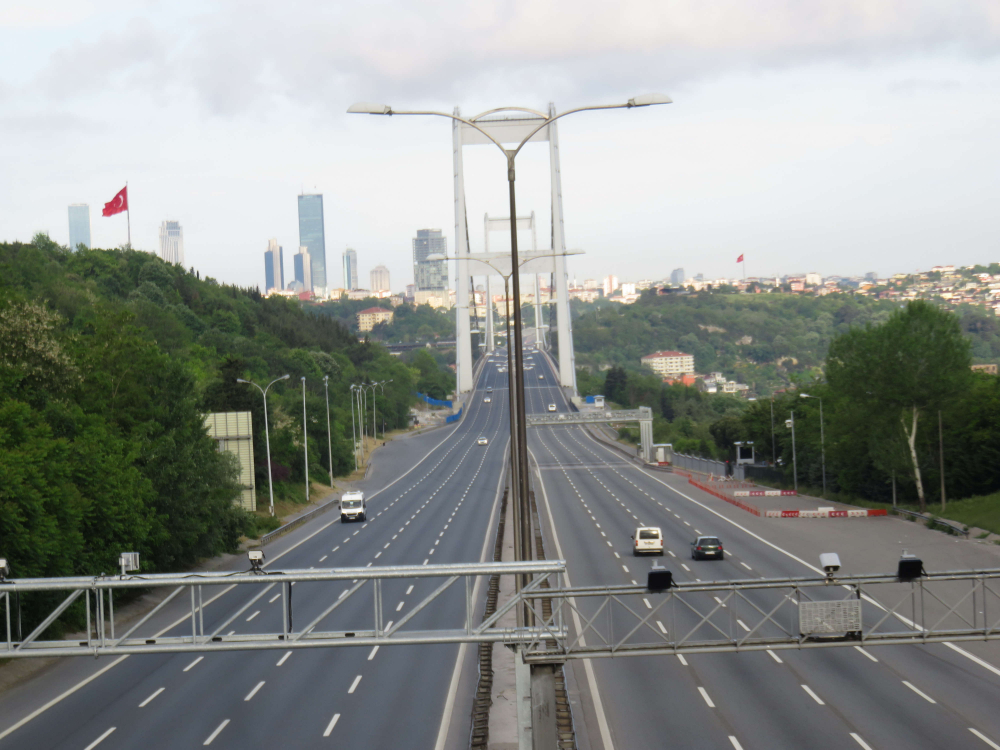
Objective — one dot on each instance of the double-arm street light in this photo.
(822, 439)
(381, 389)
(519, 434)
(267, 435)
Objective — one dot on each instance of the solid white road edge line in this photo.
(456, 673)
(772, 545)
(602, 720)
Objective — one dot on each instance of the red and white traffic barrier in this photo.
(825, 513)
(764, 493)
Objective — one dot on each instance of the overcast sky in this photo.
(840, 137)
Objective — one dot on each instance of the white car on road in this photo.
(352, 507)
(482, 440)
(648, 540)
(552, 407)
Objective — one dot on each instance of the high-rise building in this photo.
(430, 260)
(380, 279)
(79, 226)
(274, 266)
(350, 260)
(312, 236)
(172, 242)
(610, 285)
(303, 269)
(677, 277)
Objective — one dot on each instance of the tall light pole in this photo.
(822, 439)
(381, 387)
(305, 435)
(790, 423)
(329, 444)
(519, 433)
(267, 434)
(354, 432)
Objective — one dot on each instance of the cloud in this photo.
(243, 57)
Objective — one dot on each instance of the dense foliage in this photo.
(109, 361)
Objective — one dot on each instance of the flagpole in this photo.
(128, 219)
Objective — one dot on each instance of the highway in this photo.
(889, 697)
(433, 498)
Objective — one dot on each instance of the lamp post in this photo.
(354, 432)
(305, 435)
(790, 424)
(329, 444)
(822, 439)
(267, 434)
(519, 485)
(381, 387)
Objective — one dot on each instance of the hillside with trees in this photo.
(109, 360)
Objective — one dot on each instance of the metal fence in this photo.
(292, 525)
(706, 465)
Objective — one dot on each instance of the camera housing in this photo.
(830, 562)
(256, 558)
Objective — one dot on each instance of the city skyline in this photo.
(312, 235)
(274, 266)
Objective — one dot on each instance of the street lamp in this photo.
(354, 432)
(522, 543)
(305, 435)
(267, 435)
(822, 439)
(381, 385)
(329, 444)
(790, 424)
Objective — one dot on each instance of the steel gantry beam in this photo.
(203, 591)
(643, 415)
(769, 614)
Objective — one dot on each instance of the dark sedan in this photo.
(704, 547)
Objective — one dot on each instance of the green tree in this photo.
(912, 365)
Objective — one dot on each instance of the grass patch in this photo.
(982, 511)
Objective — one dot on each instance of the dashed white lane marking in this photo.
(253, 692)
(648, 605)
(378, 555)
(682, 659)
(742, 624)
(618, 556)
(387, 545)
(231, 632)
(283, 658)
(861, 650)
(746, 566)
(704, 694)
(335, 548)
(193, 663)
(331, 725)
(813, 695)
(323, 558)
(424, 562)
(984, 738)
(274, 598)
(866, 746)
(625, 568)
(388, 624)
(372, 654)
(721, 603)
(215, 734)
(686, 567)
(662, 629)
(100, 739)
(253, 615)
(775, 656)
(354, 685)
(671, 553)
(399, 606)
(356, 532)
(686, 523)
(919, 692)
(736, 743)
(409, 590)
(150, 698)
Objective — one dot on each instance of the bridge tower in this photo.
(509, 125)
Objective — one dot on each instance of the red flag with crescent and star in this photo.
(738, 260)
(117, 204)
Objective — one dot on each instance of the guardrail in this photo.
(292, 525)
(913, 514)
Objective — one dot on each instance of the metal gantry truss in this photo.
(105, 636)
(643, 415)
(776, 614)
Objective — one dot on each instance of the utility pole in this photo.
(941, 456)
(305, 435)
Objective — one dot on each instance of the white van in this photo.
(648, 541)
(352, 507)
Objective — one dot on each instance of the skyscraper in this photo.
(380, 279)
(303, 269)
(172, 242)
(430, 264)
(313, 237)
(677, 277)
(79, 226)
(350, 259)
(274, 266)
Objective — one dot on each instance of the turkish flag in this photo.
(738, 260)
(117, 204)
